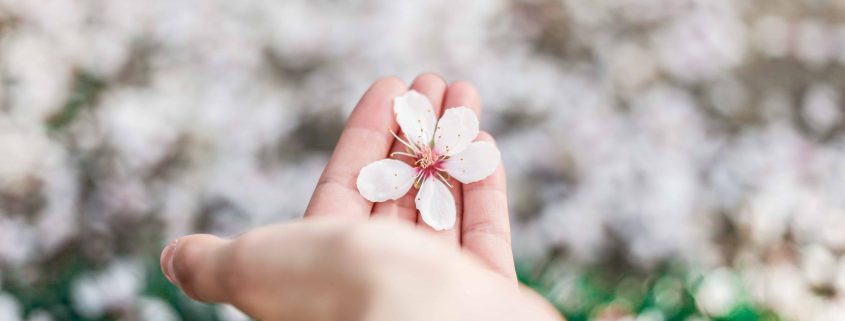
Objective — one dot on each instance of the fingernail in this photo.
(167, 262)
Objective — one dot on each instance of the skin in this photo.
(350, 259)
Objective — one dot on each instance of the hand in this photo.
(338, 265)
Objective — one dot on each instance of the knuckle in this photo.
(488, 232)
(234, 266)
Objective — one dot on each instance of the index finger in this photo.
(364, 140)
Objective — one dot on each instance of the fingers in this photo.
(463, 93)
(486, 226)
(364, 140)
(459, 93)
(404, 209)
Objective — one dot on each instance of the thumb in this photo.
(191, 263)
(297, 271)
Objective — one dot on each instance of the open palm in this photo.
(351, 259)
(481, 228)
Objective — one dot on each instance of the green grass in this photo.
(599, 290)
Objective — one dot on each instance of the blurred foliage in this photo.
(86, 89)
(602, 293)
(594, 293)
(53, 291)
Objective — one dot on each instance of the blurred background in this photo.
(668, 159)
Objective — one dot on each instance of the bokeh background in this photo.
(668, 159)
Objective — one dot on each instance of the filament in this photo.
(403, 154)
(410, 146)
(444, 179)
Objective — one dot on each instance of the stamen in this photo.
(418, 180)
(446, 174)
(402, 154)
(410, 146)
(444, 179)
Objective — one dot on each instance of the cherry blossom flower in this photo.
(440, 150)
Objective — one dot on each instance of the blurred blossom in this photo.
(819, 265)
(668, 294)
(702, 43)
(39, 316)
(718, 293)
(633, 66)
(703, 132)
(839, 37)
(25, 153)
(141, 126)
(17, 242)
(10, 309)
(771, 36)
(113, 289)
(645, 11)
(230, 313)
(152, 309)
(822, 108)
(41, 76)
(767, 215)
(651, 315)
(731, 99)
(839, 281)
(813, 46)
(781, 286)
(576, 226)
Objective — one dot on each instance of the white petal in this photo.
(436, 204)
(455, 130)
(415, 116)
(387, 179)
(475, 163)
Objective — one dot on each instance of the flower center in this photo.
(426, 160)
